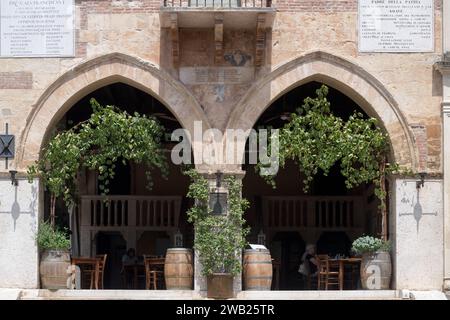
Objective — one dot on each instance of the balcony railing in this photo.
(332, 213)
(233, 4)
(123, 212)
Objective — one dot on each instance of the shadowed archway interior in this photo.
(130, 209)
(328, 208)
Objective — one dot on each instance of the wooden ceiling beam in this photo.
(218, 37)
(260, 39)
(175, 37)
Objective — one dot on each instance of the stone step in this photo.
(108, 295)
(322, 295)
(41, 294)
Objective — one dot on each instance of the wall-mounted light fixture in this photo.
(218, 200)
(261, 238)
(14, 180)
(7, 149)
(421, 183)
(178, 239)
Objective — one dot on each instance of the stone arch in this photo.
(93, 74)
(343, 75)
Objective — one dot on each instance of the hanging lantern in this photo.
(261, 238)
(217, 199)
(178, 239)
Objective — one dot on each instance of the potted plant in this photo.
(54, 245)
(376, 267)
(219, 240)
(57, 171)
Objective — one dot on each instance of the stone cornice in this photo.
(443, 67)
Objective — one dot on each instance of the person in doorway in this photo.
(309, 264)
(310, 258)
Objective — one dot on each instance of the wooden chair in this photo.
(351, 275)
(101, 270)
(328, 274)
(154, 271)
(87, 276)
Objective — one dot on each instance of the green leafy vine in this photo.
(316, 140)
(218, 239)
(108, 136)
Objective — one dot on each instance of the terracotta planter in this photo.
(376, 271)
(53, 269)
(220, 286)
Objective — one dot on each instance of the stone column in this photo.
(444, 68)
(199, 280)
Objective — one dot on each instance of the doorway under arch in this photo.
(114, 223)
(329, 216)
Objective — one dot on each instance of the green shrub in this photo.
(218, 239)
(368, 244)
(52, 239)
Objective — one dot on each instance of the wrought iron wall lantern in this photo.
(217, 199)
(421, 183)
(7, 146)
(13, 174)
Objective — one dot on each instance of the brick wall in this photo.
(114, 6)
(16, 80)
(142, 6)
(111, 7)
(420, 137)
(325, 5)
(317, 5)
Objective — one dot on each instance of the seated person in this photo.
(310, 261)
(129, 258)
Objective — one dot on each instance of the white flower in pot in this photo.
(376, 266)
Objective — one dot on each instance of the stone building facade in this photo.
(224, 68)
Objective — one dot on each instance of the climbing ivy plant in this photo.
(316, 140)
(218, 239)
(108, 136)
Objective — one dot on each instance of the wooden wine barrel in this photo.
(179, 269)
(376, 271)
(53, 269)
(257, 267)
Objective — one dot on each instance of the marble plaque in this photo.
(216, 75)
(396, 25)
(37, 28)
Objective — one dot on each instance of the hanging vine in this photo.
(108, 136)
(316, 140)
(218, 239)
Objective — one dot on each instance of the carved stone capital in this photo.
(443, 66)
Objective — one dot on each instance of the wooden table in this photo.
(89, 261)
(342, 263)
